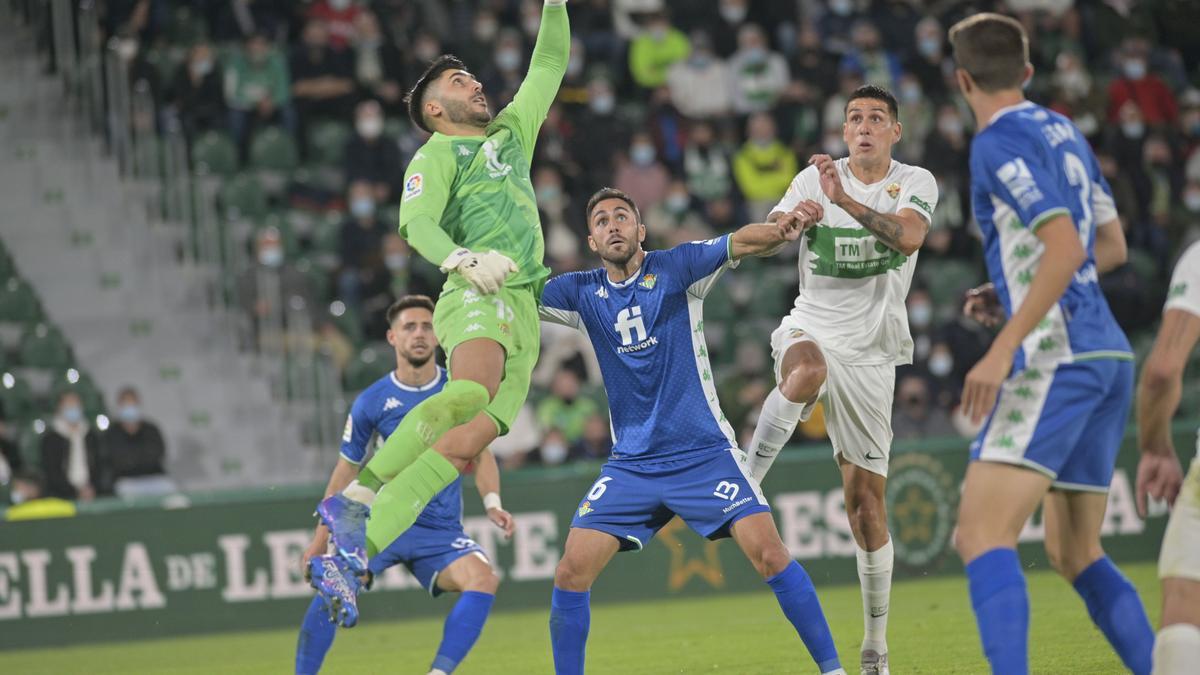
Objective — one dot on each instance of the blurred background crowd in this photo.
(703, 111)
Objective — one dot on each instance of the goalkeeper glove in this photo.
(485, 272)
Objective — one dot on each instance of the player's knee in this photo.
(484, 580)
(867, 515)
(571, 575)
(771, 560)
(1071, 563)
(803, 381)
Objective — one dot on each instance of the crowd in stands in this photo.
(703, 111)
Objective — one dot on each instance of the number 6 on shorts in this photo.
(598, 488)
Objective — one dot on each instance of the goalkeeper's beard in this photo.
(461, 113)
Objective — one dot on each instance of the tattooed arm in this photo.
(903, 231)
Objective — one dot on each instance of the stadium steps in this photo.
(110, 281)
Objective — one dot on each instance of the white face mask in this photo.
(369, 127)
(508, 59)
(1133, 129)
(395, 261)
(339, 5)
(733, 13)
(1135, 69)
(642, 154)
(271, 257)
(920, 314)
(950, 126)
(603, 105)
(554, 453)
(941, 364)
(1191, 200)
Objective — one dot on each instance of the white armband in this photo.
(491, 501)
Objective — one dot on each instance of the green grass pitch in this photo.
(932, 630)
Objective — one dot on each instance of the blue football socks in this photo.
(1001, 606)
(570, 618)
(1117, 611)
(796, 595)
(462, 628)
(316, 637)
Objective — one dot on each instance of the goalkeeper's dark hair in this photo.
(415, 99)
(408, 302)
(875, 93)
(610, 193)
(993, 49)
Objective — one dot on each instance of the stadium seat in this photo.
(273, 150)
(18, 302)
(347, 321)
(29, 443)
(242, 197)
(43, 346)
(214, 152)
(326, 234)
(947, 280)
(16, 398)
(370, 364)
(318, 278)
(327, 142)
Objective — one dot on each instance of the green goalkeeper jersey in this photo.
(475, 192)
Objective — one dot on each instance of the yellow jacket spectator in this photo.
(29, 504)
(565, 409)
(763, 167)
(655, 50)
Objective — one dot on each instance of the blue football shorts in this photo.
(425, 551)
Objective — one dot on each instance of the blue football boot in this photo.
(347, 523)
(338, 586)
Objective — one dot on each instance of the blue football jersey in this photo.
(648, 333)
(375, 415)
(1028, 166)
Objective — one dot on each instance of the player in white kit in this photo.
(1177, 648)
(866, 216)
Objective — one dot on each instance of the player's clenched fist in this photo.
(485, 272)
(806, 214)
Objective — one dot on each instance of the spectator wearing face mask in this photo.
(196, 92)
(339, 18)
(1075, 94)
(655, 49)
(914, 416)
(759, 74)
(868, 58)
(1135, 83)
(928, 58)
(359, 242)
(257, 89)
(764, 166)
(505, 72)
(641, 175)
(947, 146)
(565, 409)
(598, 132)
(271, 290)
(676, 219)
(133, 445)
(410, 274)
(554, 449)
(707, 166)
(596, 442)
(700, 85)
(30, 501)
(322, 75)
(812, 61)
(71, 454)
(378, 65)
(371, 157)
(920, 321)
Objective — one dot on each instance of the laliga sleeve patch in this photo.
(414, 186)
(348, 432)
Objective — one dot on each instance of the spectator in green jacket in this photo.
(565, 409)
(257, 88)
(764, 166)
(653, 52)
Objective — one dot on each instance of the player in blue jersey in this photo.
(673, 451)
(1057, 383)
(436, 550)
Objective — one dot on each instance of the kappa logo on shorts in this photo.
(474, 313)
(473, 328)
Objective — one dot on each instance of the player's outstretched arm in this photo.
(764, 239)
(487, 481)
(1062, 256)
(1159, 389)
(547, 66)
(903, 231)
(343, 473)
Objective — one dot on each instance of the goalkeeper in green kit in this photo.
(468, 205)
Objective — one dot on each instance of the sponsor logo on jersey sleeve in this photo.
(414, 186)
(1178, 290)
(921, 203)
(1016, 176)
(348, 432)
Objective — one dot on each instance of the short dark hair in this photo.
(408, 302)
(610, 193)
(128, 392)
(993, 49)
(415, 99)
(877, 93)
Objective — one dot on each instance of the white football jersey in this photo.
(1185, 289)
(852, 287)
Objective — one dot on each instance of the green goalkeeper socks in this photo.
(457, 403)
(404, 498)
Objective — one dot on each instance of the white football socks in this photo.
(359, 493)
(875, 576)
(1177, 650)
(776, 423)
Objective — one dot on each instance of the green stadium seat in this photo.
(394, 127)
(273, 150)
(318, 278)
(242, 197)
(18, 302)
(29, 443)
(185, 28)
(347, 321)
(16, 398)
(327, 142)
(214, 152)
(367, 366)
(947, 280)
(1144, 265)
(43, 346)
(326, 234)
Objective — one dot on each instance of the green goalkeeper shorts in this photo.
(509, 317)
